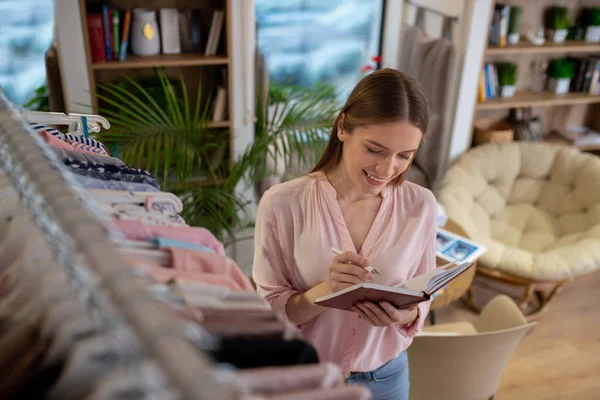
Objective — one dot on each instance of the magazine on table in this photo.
(453, 247)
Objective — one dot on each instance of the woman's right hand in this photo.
(348, 269)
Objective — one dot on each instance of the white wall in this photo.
(71, 56)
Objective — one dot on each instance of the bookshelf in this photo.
(526, 48)
(544, 99)
(197, 69)
(161, 60)
(556, 111)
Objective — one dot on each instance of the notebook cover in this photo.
(349, 299)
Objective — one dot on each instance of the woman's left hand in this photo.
(385, 314)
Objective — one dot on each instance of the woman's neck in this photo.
(346, 190)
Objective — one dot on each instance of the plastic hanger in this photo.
(74, 121)
(144, 198)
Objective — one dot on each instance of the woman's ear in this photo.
(341, 134)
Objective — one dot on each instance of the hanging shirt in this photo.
(297, 224)
(68, 137)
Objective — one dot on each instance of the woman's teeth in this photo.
(375, 179)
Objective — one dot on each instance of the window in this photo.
(310, 41)
(26, 32)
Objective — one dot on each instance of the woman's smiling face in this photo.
(375, 155)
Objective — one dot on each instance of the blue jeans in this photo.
(388, 382)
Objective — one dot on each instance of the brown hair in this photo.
(386, 95)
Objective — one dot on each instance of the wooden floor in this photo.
(560, 358)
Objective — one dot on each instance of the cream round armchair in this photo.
(536, 206)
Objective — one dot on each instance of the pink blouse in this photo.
(297, 224)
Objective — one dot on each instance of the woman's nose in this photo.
(385, 168)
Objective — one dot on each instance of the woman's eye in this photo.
(404, 157)
(373, 151)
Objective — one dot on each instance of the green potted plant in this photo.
(590, 19)
(557, 23)
(188, 158)
(514, 21)
(507, 78)
(560, 73)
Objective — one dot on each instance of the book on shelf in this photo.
(169, 30)
(220, 105)
(414, 291)
(215, 33)
(96, 37)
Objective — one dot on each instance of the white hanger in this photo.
(93, 121)
(121, 196)
(73, 120)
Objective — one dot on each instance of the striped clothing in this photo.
(75, 140)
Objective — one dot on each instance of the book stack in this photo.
(108, 32)
(181, 31)
(587, 75)
(499, 26)
(489, 87)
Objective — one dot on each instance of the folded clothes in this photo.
(93, 183)
(163, 242)
(64, 154)
(272, 380)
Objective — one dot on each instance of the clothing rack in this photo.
(80, 242)
(431, 10)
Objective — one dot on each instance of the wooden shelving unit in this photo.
(161, 60)
(526, 48)
(555, 111)
(545, 99)
(197, 69)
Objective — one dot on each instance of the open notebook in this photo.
(414, 291)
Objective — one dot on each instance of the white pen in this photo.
(369, 268)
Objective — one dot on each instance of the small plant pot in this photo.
(513, 38)
(557, 36)
(508, 90)
(592, 34)
(560, 85)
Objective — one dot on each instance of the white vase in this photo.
(559, 86)
(557, 36)
(513, 38)
(592, 34)
(508, 90)
(145, 37)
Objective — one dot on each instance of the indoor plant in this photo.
(507, 78)
(514, 21)
(557, 23)
(560, 72)
(177, 145)
(590, 19)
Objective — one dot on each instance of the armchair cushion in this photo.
(536, 206)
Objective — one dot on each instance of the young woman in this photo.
(355, 199)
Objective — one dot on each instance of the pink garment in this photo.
(200, 261)
(70, 145)
(163, 275)
(297, 224)
(134, 230)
